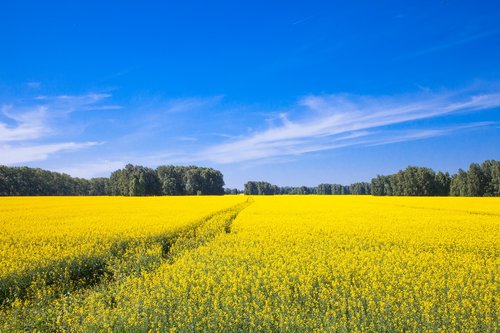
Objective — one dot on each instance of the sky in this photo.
(294, 93)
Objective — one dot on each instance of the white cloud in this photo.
(401, 136)
(83, 99)
(34, 121)
(22, 154)
(28, 124)
(341, 120)
(102, 107)
(23, 128)
(185, 138)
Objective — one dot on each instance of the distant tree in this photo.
(250, 188)
(414, 181)
(169, 187)
(476, 181)
(193, 181)
(135, 188)
(442, 184)
(98, 186)
(324, 189)
(260, 188)
(265, 188)
(231, 191)
(134, 181)
(31, 181)
(377, 186)
(487, 168)
(302, 190)
(212, 181)
(382, 185)
(480, 180)
(170, 179)
(491, 170)
(458, 185)
(360, 188)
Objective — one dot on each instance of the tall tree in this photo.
(476, 181)
(442, 184)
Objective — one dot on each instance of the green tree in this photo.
(458, 185)
(476, 181)
(442, 184)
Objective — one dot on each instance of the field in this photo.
(238, 263)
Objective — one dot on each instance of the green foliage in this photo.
(458, 185)
(260, 188)
(442, 183)
(360, 188)
(476, 180)
(324, 189)
(30, 181)
(133, 180)
(265, 188)
(228, 191)
(190, 180)
(479, 180)
(414, 181)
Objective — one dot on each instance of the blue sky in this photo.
(295, 93)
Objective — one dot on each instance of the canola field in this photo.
(249, 264)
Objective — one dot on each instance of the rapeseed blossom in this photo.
(305, 263)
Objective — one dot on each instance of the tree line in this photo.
(265, 188)
(135, 180)
(132, 180)
(480, 180)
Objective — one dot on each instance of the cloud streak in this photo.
(192, 104)
(34, 121)
(28, 125)
(24, 128)
(23, 154)
(453, 43)
(337, 121)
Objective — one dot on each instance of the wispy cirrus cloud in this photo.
(102, 107)
(30, 153)
(192, 103)
(24, 128)
(316, 123)
(380, 138)
(25, 125)
(158, 116)
(452, 43)
(336, 121)
(34, 119)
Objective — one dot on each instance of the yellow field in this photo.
(285, 263)
(39, 230)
